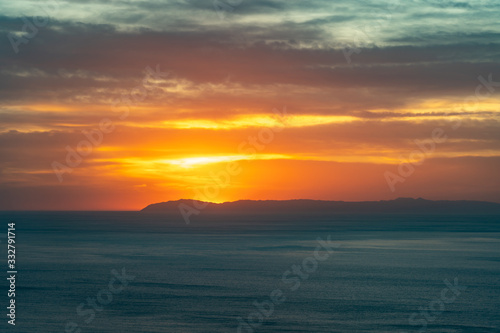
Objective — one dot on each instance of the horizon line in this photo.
(238, 200)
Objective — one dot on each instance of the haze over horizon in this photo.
(116, 105)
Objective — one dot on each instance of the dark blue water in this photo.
(386, 275)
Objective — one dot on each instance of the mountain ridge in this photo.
(399, 205)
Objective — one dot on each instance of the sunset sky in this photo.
(119, 104)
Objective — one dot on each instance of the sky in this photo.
(113, 105)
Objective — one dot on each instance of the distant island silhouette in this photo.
(399, 205)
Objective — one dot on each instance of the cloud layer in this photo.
(362, 83)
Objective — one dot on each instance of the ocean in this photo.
(136, 272)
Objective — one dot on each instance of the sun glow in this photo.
(258, 121)
(191, 162)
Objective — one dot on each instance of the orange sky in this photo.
(115, 116)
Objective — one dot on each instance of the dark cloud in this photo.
(87, 53)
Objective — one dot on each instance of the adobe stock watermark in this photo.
(31, 26)
(94, 137)
(87, 311)
(222, 179)
(292, 279)
(364, 34)
(223, 7)
(429, 314)
(426, 148)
